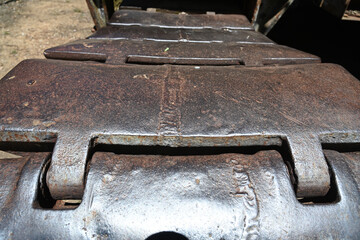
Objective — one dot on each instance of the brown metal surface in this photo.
(184, 106)
(162, 38)
(195, 133)
(181, 35)
(152, 52)
(183, 21)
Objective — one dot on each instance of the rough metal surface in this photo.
(189, 21)
(151, 52)
(193, 146)
(226, 196)
(181, 35)
(179, 106)
(142, 37)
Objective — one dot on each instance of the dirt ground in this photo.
(28, 27)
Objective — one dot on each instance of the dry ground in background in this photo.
(28, 27)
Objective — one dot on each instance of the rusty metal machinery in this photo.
(179, 126)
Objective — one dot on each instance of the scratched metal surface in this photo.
(165, 38)
(227, 196)
(126, 103)
(119, 51)
(179, 106)
(166, 27)
(171, 20)
(202, 35)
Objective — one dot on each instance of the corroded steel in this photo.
(163, 38)
(190, 21)
(202, 35)
(152, 52)
(193, 116)
(184, 106)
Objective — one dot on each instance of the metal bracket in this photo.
(311, 169)
(66, 175)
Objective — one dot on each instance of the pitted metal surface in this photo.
(142, 37)
(184, 106)
(202, 35)
(184, 21)
(152, 52)
(165, 27)
(203, 82)
(227, 196)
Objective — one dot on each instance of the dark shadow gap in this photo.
(167, 236)
(27, 146)
(156, 60)
(342, 147)
(178, 151)
(308, 28)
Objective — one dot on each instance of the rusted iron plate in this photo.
(228, 196)
(181, 35)
(151, 52)
(180, 106)
(184, 21)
